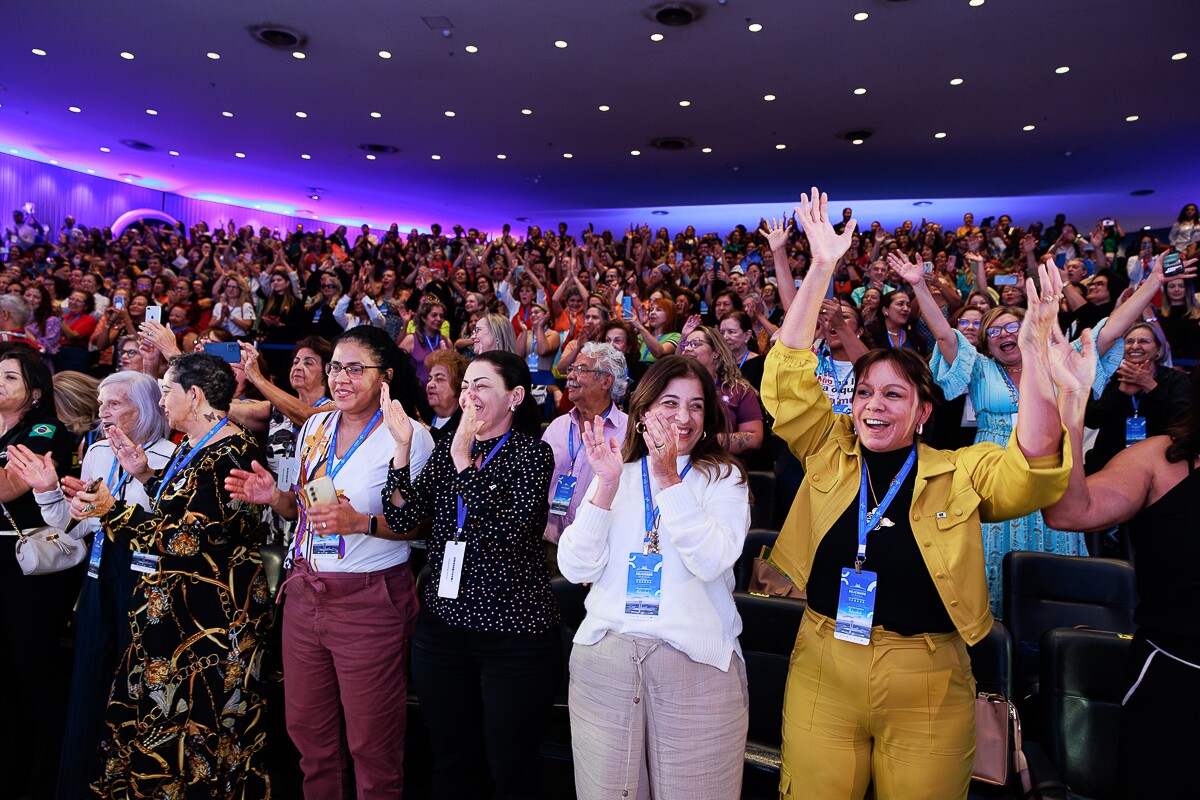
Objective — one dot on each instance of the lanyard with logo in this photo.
(564, 490)
(177, 465)
(643, 582)
(826, 365)
(456, 548)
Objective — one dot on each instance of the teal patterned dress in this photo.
(995, 402)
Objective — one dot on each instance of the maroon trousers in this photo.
(345, 653)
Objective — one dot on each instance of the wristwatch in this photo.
(372, 524)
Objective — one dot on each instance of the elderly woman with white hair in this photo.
(128, 401)
(596, 384)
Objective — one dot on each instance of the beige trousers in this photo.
(648, 722)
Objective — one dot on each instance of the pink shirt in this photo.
(559, 436)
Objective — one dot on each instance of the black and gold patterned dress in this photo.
(186, 717)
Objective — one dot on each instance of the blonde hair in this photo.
(76, 400)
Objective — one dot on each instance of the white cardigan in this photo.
(701, 532)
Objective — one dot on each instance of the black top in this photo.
(752, 371)
(1108, 414)
(41, 434)
(446, 431)
(1168, 581)
(906, 601)
(505, 584)
(1183, 334)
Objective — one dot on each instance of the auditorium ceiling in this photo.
(489, 112)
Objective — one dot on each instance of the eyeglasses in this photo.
(693, 344)
(996, 330)
(354, 371)
(329, 286)
(129, 353)
(966, 323)
(575, 370)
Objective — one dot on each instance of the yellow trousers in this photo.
(899, 712)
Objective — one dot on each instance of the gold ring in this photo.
(89, 508)
(324, 525)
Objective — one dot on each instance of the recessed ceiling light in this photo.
(1179, 57)
(105, 150)
(975, 3)
(1132, 118)
(568, 155)
(74, 109)
(305, 156)
(239, 155)
(257, 206)
(1062, 70)
(1145, 227)
(214, 56)
(91, 172)
(172, 152)
(956, 81)
(635, 152)
(370, 157)
(768, 97)
(560, 44)
(436, 157)
(55, 163)
(14, 152)
(37, 51)
(152, 112)
(384, 54)
(656, 37)
(129, 180)
(527, 111)
(314, 197)
(226, 113)
(860, 16)
(860, 90)
(706, 150)
(301, 115)
(685, 103)
(781, 147)
(501, 156)
(604, 108)
(471, 48)
(298, 54)
(755, 27)
(449, 113)
(376, 114)
(128, 56)
(1028, 128)
(940, 135)
(857, 141)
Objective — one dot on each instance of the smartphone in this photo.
(320, 492)
(627, 307)
(708, 262)
(226, 351)
(119, 302)
(1108, 223)
(154, 314)
(1006, 280)
(928, 267)
(1172, 264)
(94, 485)
(679, 257)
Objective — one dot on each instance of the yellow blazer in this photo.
(955, 489)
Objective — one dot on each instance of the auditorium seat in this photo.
(1082, 687)
(556, 741)
(991, 663)
(1043, 591)
(756, 540)
(769, 627)
(762, 496)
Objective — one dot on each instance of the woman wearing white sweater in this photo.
(658, 686)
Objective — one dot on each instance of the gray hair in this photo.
(502, 331)
(610, 361)
(17, 308)
(144, 393)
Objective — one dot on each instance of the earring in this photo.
(920, 428)
(513, 408)
(195, 416)
(640, 427)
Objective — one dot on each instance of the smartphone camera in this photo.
(119, 302)
(928, 267)
(1172, 264)
(1108, 223)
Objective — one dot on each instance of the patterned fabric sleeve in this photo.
(955, 379)
(1108, 362)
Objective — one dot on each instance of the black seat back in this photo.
(991, 661)
(762, 492)
(769, 627)
(1043, 591)
(570, 598)
(1082, 686)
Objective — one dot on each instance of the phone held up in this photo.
(1172, 264)
(226, 351)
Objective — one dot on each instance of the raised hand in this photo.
(1072, 371)
(826, 244)
(36, 470)
(256, 485)
(604, 457)
(910, 272)
(1041, 313)
(662, 444)
(130, 456)
(690, 325)
(776, 231)
(397, 421)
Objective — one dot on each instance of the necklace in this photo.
(885, 522)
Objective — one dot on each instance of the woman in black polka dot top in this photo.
(487, 652)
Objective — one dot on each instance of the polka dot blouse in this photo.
(505, 585)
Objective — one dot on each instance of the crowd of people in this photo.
(506, 409)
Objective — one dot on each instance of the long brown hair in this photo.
(1185, 431)
(709, 455)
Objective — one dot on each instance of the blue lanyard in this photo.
(1136, 399)
(652, 511)
(571, 449)
(462, 507)
(334, 466)
(888, 334)
(437, 337)
(866, 523)
(115, 471)
(827, 362)
(321, 402)
(177, 466)
(744, 357)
